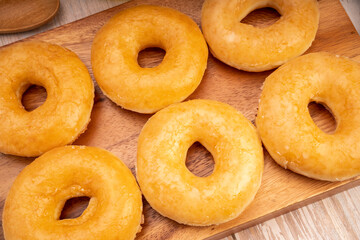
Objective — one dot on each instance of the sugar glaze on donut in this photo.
(175, 192)
(66, 111)
(253, 49)
(35, 201)
(146, 90)
(287, 129)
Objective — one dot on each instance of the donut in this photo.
(66, 111)
(254, 49)
(287, 129)
(35, 201)
(146, 90)
(174, 191)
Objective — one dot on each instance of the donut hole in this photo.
(33, 97)
(74, 207)
(262, 18)
(150, 57)
(323, 117)
(199, 160)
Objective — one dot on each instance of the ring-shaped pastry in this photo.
(65, 113)
(253, 49)
(287, 129)
(146, 90)
(175, 192)
(37, 197)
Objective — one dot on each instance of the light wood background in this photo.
(336, 217)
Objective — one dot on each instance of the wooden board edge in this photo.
(33, 26)
(121, 6)
(287, 209)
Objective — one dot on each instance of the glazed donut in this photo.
(35, 201)
(146, 90)
(287, 129)
(176, 193)
(66, 111)
(253, 49)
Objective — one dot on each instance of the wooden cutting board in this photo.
(117, 130)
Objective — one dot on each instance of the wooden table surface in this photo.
(335, 217)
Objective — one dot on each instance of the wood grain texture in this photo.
(333, 218)
(69, 11)
(117, 130)
(19, 16)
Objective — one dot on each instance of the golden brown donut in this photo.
(253, 49)
(36, 199)
(66, 111)
(146, 90)
(176, 193)
(287, 129)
